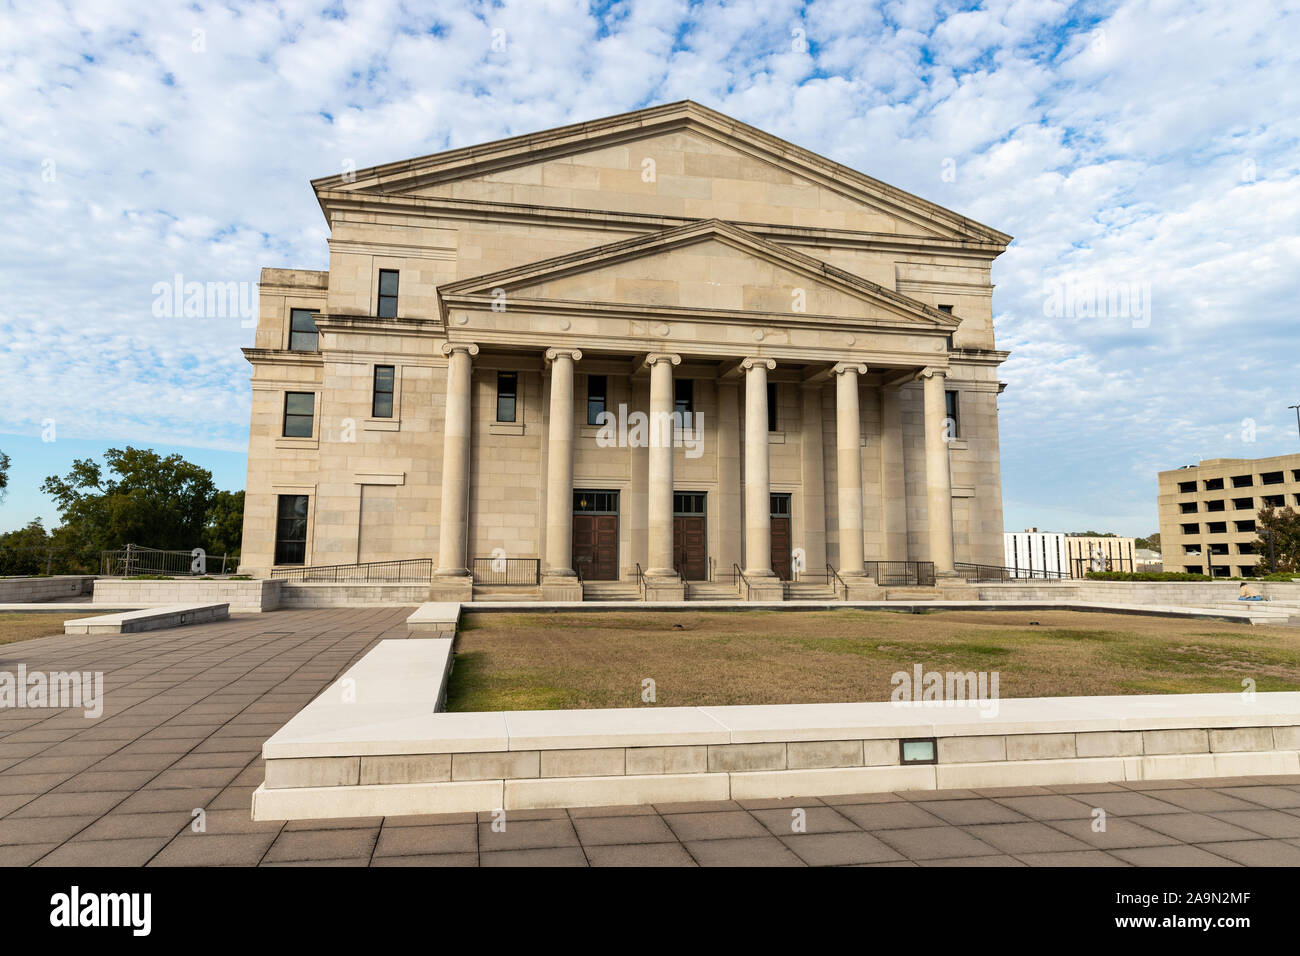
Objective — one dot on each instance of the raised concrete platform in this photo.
(1246, 615)
(435, 619)
(374, 745)
(148, 619)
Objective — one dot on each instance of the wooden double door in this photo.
(781, 542)
(595, 534)
(691, 535)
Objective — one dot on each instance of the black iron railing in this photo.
(994, 572)
(640, 581)
(509, 571)
(739, 581)
(371, 572)
(833, 578)
(901, 573)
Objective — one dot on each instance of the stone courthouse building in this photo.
(486, 369)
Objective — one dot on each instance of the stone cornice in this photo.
(589, 260)
(480, 210)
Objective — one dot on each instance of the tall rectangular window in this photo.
(302, 330)
(387, 293)
(773, 418)
(684, 400)
(381, 405)
(299, 410)
(953, 412)
(597, 397)
(507, 395)
(291, 529)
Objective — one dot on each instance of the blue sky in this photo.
(1144, 148)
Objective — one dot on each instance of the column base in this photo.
(667, 587)
(451, 587)
(561, 587)
(861, 587)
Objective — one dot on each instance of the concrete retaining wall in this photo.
(1135, 592)
(242, 596)
(351, 595)
(34, 590)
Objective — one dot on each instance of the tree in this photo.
(224, 527)
(1282, 554)
(25, 550)
(145, 499)
(4, 475)
(1151, 542)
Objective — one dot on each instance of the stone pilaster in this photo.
(559, 581)
(662, 580)
(938, 478)
(763, 582)
(452, 580)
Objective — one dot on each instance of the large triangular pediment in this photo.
(681, 161)
(707, 267)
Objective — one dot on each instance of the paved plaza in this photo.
(187, 711)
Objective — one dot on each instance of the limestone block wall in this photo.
(34, 590)
(242, 596)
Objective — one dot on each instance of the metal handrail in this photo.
(995, 572)
(640, 581)
(833, 575)
(369, 572)
(738, 578)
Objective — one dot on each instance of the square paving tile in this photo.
(642, 828)
(433, 859)
(406, 841)
(1269, 823)
(1203, 801)
(1196, 827)
(975, 861)
(641, 854)
(934, 843)
(1090, 858)
(134, 852)
(746, 851)
(1275, 797)
(1050, 808)
(1118, 832)
(1024, 837)
(215, 849)
(839, 849)
(322, 845)
(526, 834)
(960, 812)
(813, 820)
(1179, 855)
(1131, 804)
(537, 856)
(1257, 852)
(721, 825)
(889, 816)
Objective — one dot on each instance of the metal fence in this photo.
(510, 571)
(135, 559)
(994, 572)
(901, 573)
(413, 570)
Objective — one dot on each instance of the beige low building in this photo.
(1208, 511)
(484, 372)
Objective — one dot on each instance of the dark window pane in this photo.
(772, 417)
(382, 405)
(780, 506)
(953, 412)
(507, 395)
(302, 330)
(596, 398)
(387, 293)
(291, 529)
(684, 403)
(299, 409)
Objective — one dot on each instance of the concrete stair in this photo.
(710, 591)
(610, 591)
(503, 592)
(803, 591)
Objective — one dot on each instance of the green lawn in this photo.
(546, 661)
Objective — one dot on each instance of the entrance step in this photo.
(610, 591)
(710, 591)
(811, 592)
(502, 592)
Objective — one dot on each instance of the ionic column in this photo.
(452, 528)
(938, 480)
(559, 464)
(659, 494)
(758, 484)
(848, 457)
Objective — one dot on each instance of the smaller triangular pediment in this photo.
(710, 267)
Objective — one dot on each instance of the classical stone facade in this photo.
(819, 344)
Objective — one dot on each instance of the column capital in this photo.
(449, 347)
(931, 372)
(654, 358)
(841, 367)
(755, 361)
(553, 354)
